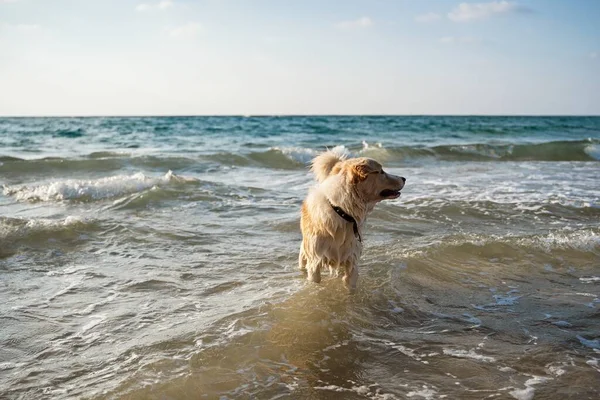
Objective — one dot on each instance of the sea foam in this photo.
(96, 189)
(12, 228)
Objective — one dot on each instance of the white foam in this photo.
(580, 240)
(590, 279)
(362, 390)
(406, 351)
(556, 370)
(376, 151)
(592, 150)
(74, 283)
(22, 226)
(425, 392)
(96, 189)
(529, 391)
(469, 354)
(94, 320)
(9, 365)
(68, 271)
(90, 308)
(593, 363)
(298, 154)
(337, 345)
(583, 240)
(482, 184)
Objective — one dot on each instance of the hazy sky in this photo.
(187, 57)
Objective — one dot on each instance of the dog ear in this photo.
(360, 172)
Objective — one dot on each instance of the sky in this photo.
(278, 57)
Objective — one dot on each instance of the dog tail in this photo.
(324, 163)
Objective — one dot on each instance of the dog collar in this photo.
(348, 218)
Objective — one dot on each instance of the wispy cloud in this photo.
(185, 31)
(473, 11)
(460, 40)
(163, 5)
(429, 17)
(594, 55)
(362, 22)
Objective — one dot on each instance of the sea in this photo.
(156, 258)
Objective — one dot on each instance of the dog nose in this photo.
(403, 179)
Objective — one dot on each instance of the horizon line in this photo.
(285, 115)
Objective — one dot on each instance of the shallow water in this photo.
(155, 258)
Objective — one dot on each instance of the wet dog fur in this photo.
(354, 185)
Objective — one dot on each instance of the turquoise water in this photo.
(156, 258)
(485, 138)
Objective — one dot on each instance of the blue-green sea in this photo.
(156, 258)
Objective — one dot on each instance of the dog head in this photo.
(363, 176)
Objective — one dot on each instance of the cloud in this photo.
(8, 1)
(473, 11)
(460, 40)
(163, 5)
(362, 22)
(594, 55)
(185, 31)
(429, 17)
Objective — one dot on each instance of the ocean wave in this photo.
(301, 155)
(298, 157)
(40, 230)
(293, 157)
(98, 189)
(584, 240)
(506, 207)
(69, 133)
(94, 162)
(580, 150)
(556, 245)
(593, 150)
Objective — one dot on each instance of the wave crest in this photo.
(98, 189)
(297, 156)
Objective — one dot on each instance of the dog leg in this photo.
(302, 258)
(351, 276)
(314, 272)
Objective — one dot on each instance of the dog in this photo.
(334, 213)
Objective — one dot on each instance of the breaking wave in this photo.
(295, 157)
(584, 241)
(90, 190)
(15, 232)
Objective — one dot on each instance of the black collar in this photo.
(348, 218)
